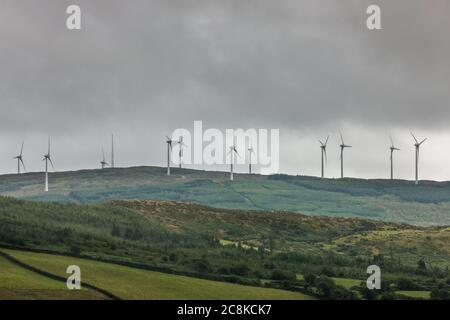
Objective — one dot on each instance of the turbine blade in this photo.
(423, 141)
(326, 141)
(325, 153)
(23, 165)
(51, 162)
(414, 137)
(342, 139)
(21, 149)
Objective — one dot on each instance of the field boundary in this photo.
(55, 277)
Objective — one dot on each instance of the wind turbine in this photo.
(417, 145)
(250, 151)
(343, 146)
(392, 148)
(103, 162)
(323, 146)
(47, 159)
(232, 153)
(169, 149)
(180, 153)
(112, 151)
(20, 160)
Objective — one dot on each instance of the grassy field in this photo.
(131, 283)
(415, 294)
(344, 282)
(17, 283)
(397, 201)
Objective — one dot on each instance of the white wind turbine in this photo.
(417, 145)
(323, 147)
(392, 148)
(103, 163)
(250, 152)
(47, 159)
(343, 146)
(180, 152)
(20, 161)
(169, 142)
(233, 151)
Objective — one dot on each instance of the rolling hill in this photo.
(248, 247)
(395, 201)
(123, 282)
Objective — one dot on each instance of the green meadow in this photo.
(17, 283)
(126, 282)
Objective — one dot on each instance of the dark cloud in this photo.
(143, 68)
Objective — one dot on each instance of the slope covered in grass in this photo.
(17, 283)
(131, 283)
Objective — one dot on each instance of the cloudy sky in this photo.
(143, 68)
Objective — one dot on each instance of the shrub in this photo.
(278, 274)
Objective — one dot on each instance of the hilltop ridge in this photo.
(396, 201)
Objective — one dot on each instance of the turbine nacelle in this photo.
(19, 159)
(418, 144)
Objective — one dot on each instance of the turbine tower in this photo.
(417, 145)
(323, 146)
(169, 149)
(103, 163)
(392, 148)
(232, 154)
(20, 160)
(112, 151)
(180, 153)
(343, 146)
(47, 159)
(250, 151)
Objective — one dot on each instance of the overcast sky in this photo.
(143, 68)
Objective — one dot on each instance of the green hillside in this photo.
(17, 283)
(131, 283)
(247, 247)
(397, 201)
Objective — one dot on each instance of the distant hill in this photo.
(396, 201)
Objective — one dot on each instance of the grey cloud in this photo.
(151, 66)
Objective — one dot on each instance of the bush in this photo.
(406, 284)
(325, 286)
(278, 274)
(201, 266)
(240, 270)
(309, 279)
(440, 294)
